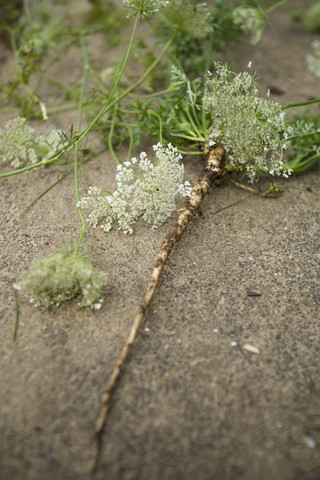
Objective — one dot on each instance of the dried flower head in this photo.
(252, 129)
(188, 18)
(251, 21)
(313, 60)
(146, 8)
(20, 145)
(312, 18)
(62, 277)
(144, 188)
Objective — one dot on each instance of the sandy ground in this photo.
(192, 403)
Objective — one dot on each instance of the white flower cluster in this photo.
(20, 146)
(253, 130)
(150, 192)
(251, 21)
(313, 61)
(146, 8)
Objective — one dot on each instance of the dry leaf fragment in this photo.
(251, 349)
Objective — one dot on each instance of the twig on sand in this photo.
(213, 169)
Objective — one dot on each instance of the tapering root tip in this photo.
(96, 455)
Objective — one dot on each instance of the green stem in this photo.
(104, 109)
(300, 104)
(186, 152)
(27, 11)
(276, 5)
(16, 323)
(76, 149)
(307, 134)
(302, 166)
(113, 120)
(151, 95)
(52, 61)
(192, 122)
(131, 141)
(43, 193)
(160, 126)
(187, 137)
(62, 108)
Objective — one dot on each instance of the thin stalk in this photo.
(83, 223)
(229, 206)
(62, 108)
(107, 106)
(306, 164)
(276, 5)
(314, 132)
(302, 190)
(212, 170)
(151, 95)
(130, 141)
(16, 323)
(186, 152)
(191, 121)
(76, 150)
(98, 81)
(52, 61)
(188, 137)
(110, 135)
(300, 104)
(273, 191)
(60, 178)
(84, 178)
(160, 126)
(27, 11)
(197, 119)
(43, 193)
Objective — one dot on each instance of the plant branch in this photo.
(300, 104)
(16, 323)
(76, 150)
(276, 5)
(212, 170)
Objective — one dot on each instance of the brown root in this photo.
(212, 170)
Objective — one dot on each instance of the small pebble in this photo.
(251, 349)
(233, 344)
(147, 329)
(215, 330)
(310, 442)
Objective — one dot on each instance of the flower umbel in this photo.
(144, 188)
(146, 8)
(252, 129)
(251, 21)
(313, 60)
(188, 18)
(20, 146)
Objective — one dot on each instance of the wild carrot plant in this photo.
(194, 106)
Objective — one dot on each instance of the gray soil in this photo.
(192, 402)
